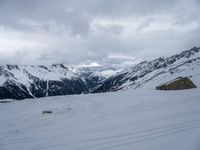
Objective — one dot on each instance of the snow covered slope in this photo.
(141, 119)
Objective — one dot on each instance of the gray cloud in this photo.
(72, 31)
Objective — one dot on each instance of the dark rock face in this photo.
(14, 92)
(47, 112)
(180, 83)
(55, 88)
(110, 84)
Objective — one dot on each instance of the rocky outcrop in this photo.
(179, 83)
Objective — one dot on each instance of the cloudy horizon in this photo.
(75, 31)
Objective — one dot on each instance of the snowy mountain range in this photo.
(185, 63)
(27, 81)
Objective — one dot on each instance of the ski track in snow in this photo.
(131, 119)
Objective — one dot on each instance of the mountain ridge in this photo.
(131, 75)
(28, 81)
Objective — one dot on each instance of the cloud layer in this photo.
(73, 31)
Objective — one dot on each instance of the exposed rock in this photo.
(47, 112)
(179, 83)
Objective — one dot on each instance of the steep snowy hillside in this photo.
(140, 119)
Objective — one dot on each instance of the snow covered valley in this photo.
(141, 119)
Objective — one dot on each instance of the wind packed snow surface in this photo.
(141, 119)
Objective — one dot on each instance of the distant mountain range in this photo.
(27, 81)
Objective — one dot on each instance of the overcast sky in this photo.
(74, 31)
